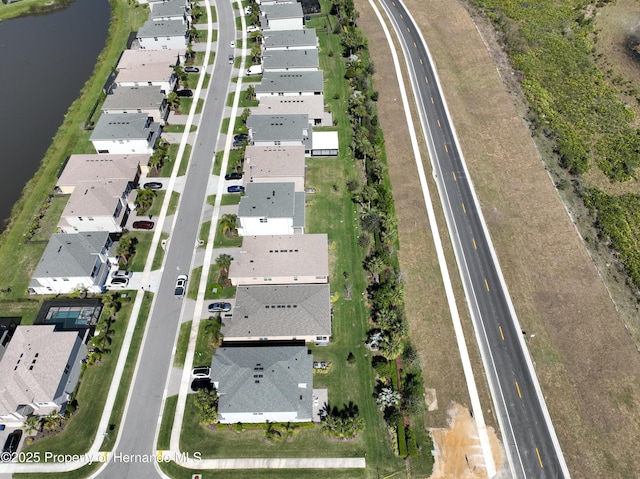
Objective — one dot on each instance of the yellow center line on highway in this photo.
(539, 458)
(408, 29)
(454, 176)
(446, 149)
(501, 333)
(393, 3)
(414, 45)
(438, 123)
(474, 243)
(426, 80)
(486, 284)
(401, 15)
(518, 388)
(423, 64)
(432, 100)
(463, 208)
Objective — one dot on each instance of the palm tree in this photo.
(251, 93)
(144, 199)
(223, 262)
(229, 224)
(31, 425)
(124, 248)
(256, 53)
(173, 101)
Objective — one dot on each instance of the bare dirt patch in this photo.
(586, 361)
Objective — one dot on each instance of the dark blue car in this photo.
(235, 189)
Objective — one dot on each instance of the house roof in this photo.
(312, 105)
(133, 97)
(134, 59)
(264, 379)
(273, 161)
(95, 167)
(124, 126)
(280, 310)
(290, 59)
(162, 28)
(290, 38)
(281, 11)
(71, 255)
(170, 8)
(325, 140)
(33, 365)
(290, 82)
(271, 200)
(96, 197)
(279, 127)
(277, 256)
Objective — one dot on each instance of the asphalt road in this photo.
(139, 425)
(527, 432)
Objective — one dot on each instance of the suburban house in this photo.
(290, 84)
(310, 105)
(281, 16)
(259, 384)
(81, 168)
(162, 35)
(280, 312)
(125, 133)
(74, 261)
(281, 260)
(132, 99)
(170, 10)
(149, 68)
(289, 39)
(290, 60)
(153, 4)
(324, 143)
(98, 205)
(274, 164)
(39, 370)
(271, 209)
(280, 130)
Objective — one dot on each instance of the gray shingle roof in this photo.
(291, 59)
(71, 255)
(290, 82)
(162, 28)
(125, 126)
(169, 8)
(264, 379)
(281, 11)
(278, 127)
(290, 38)
(271, 200)
(143, 98)
(280, 310)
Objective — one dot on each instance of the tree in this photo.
(245, 115)
(251, 93)
(387, 398)
(173, 100)
(391, 346)
(375, 265)
(52, 421)
(31, 425)
(223, 261)
(144, 199)
(256, 53)
(125, 248)
(206, 402)
(343, 423)
(229, 224)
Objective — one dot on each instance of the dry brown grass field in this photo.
(586, 360)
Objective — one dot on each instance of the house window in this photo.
(155, 39)
(90, 218)
(263, 220)
(79, 218)
(295, 278)
(63, 279)
(67, 368)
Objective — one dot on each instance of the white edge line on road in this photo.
(462, 346)
(503, 284)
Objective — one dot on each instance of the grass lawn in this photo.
(212, 282)
(236, 159)
(179, 128)
(30, 7)
(177, 472)
(82, 426)
(222, 241)
(204, 349)
(204, 233)
(217, 164)
(230, 199)
(182, 345)
(173, 203)
(194, 282)
(49, 223)
(164, 435)
(159, 254)
(137, 261)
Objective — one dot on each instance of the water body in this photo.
(45, 60)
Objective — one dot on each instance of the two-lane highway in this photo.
(528, 436)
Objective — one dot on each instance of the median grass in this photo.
(182, 345)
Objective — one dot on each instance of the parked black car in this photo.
(191, 69)
(152, 185)
(233, 176)
(12, 442)
(187, 93)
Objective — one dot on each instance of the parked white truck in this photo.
(255, 70)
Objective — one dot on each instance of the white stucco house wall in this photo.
(271, 209)
(125, 133)
(40, 369)
(281, 16)
(162, 35)
(259, 384)
(73, 262)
